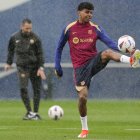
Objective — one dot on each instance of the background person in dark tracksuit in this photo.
(27, 48)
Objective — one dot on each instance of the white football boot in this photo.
(29, 116)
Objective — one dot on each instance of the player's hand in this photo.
(58, 73)
(7, 67)
(41, 73)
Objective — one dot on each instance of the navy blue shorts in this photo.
(84, 74)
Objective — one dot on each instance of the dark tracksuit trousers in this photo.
(26, 74)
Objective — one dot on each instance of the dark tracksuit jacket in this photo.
(28, 50)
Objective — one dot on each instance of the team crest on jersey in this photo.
(90, 32)
(17, 41)
(75, 40)
(32, 41)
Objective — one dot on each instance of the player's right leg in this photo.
(82, 106)
(23, 79)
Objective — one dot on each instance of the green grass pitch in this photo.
(107, 120)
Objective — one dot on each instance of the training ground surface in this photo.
(107, 119)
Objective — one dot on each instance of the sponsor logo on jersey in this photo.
(75, 40)
(86, 40)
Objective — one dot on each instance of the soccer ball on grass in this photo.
(126, 44)
(55, 112)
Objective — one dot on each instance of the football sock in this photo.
(125, 59)
(84, 123)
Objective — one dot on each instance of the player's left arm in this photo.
(103, 36)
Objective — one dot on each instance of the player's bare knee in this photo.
(106, 54)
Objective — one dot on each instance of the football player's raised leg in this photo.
(134, 60)
(110, 55)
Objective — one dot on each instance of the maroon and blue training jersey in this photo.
(82, 42)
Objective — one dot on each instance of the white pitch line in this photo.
(6, 73)
(133, 129)
(11, 127)
(110, 65)
(69, 65)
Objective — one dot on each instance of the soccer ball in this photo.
(55, 112)
(126, 44)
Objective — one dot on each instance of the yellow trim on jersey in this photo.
(95, 25)
(71, 24)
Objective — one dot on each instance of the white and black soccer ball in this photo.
(55, 112)
(126, 44)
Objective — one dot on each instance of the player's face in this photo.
(26, 28)
(85, 15)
